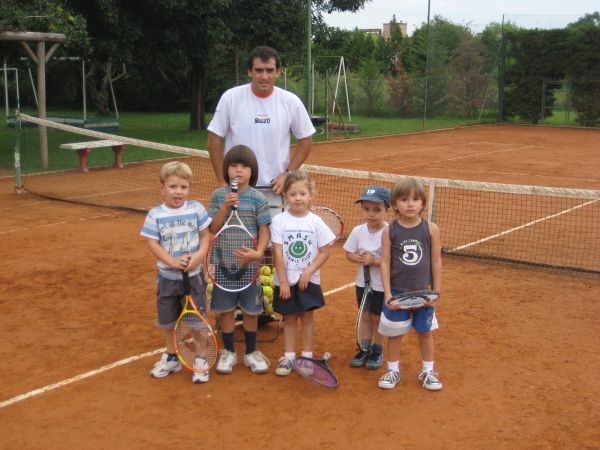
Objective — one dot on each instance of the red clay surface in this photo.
(516, 350)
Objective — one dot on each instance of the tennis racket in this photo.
(195, 342)
(364, 329)
(331, 219)
(316, 370)
(413, 299)
(224, 267)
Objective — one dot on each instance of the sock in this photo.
(427, 366)
(307, 354)
(250, 337)
(290, 355)
(172, 356)
(394, 365)
(228, 341)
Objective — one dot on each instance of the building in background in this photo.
(386, 30)
(387, 26)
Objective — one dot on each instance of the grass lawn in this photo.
(173, 128)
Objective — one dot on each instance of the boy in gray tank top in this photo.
(411, 260)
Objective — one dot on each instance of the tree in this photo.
(583, 68)
(535, 56)
(469, 78)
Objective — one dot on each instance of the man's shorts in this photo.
(275, 200)
(250, 300)
(170, 299)
(398, 322)
(300, 301)
(375, 300)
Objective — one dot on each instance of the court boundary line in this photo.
(110, 366)
(520, 227)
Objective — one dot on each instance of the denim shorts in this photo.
(250, 300)
(397, 322)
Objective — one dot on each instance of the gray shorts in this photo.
(275, 200)
(250, 300)
(170, 299)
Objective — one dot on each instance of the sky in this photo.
(475, 14)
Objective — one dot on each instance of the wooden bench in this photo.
(83, 149)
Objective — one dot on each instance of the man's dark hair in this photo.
(263, 53)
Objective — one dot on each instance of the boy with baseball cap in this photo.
(363, 247)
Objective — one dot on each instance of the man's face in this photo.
(263, 75)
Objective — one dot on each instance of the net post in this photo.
(431, 200)
(17, 154)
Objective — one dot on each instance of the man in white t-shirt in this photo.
(262, 117)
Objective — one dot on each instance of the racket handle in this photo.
(187, 287)
(234, 188)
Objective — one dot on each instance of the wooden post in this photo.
(40, 60)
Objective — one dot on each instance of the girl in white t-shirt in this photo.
(300, 247)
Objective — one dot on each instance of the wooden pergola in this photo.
(40, 58)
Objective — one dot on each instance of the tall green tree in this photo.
(583, 68)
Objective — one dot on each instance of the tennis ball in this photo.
(272, 282)
(209, 288)
(265, 270)
(269, 309)
(267, 291)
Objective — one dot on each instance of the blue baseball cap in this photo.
(375, 194)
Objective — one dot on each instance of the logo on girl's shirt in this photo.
(298, 246)
(412, 252)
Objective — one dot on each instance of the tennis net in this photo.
(542, 226)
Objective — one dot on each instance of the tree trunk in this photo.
(197, 120)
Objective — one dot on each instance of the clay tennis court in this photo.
(517, 349)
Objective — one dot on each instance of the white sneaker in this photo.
(257, 362)
(285, 367)
(430, 381)
(200, 377)
(226, 362)
(389, 379)
(163, 367)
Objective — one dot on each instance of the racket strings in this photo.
(315, 371)
(227, 271)
(331, 219)
(195, 340)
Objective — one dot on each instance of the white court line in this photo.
(493, 236)
(54, 224)
(121, 362)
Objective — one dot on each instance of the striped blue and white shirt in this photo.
(253, 208)
(178, 232)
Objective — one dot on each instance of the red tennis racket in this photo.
(331, 219)
(223, 264)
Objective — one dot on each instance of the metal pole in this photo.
(426, 66)
(83, 91)
(309, 81)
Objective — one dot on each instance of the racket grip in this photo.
(187, 287)
(234, 185)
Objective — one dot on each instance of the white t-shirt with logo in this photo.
(301, 238)
(264, 124)
(361, 239)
